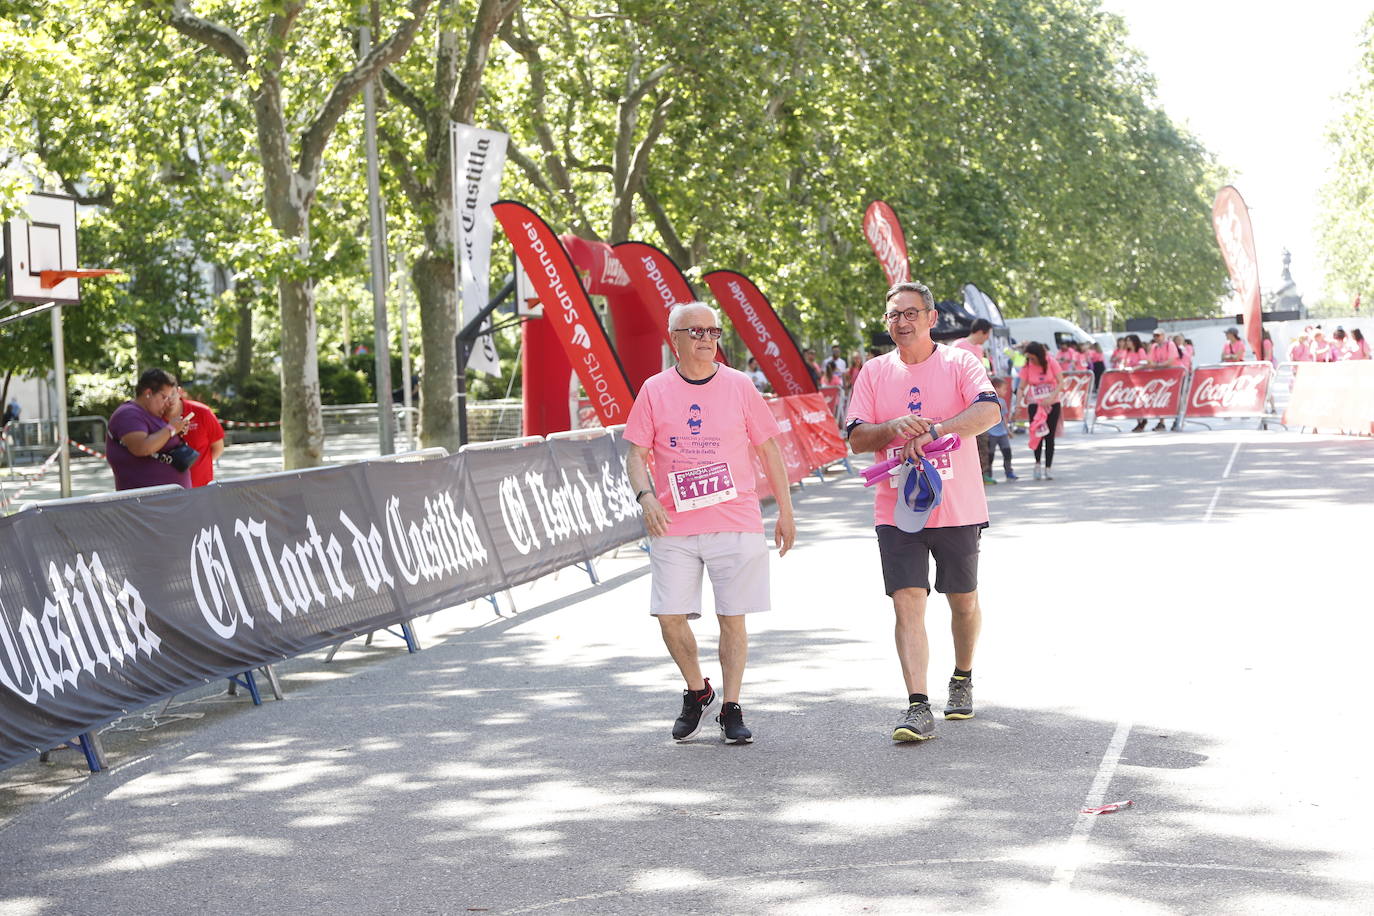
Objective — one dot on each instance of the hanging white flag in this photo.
(478, 158)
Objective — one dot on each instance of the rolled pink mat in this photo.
(947, 443)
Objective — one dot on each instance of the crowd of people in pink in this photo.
(1312, 346)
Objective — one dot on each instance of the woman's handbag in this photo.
(181, 457)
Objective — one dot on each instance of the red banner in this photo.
(569, 311)
(1074, 399)
(1077, 391)
(763, 332)
(1140, 394)
(814, 423)
(1230, 390)
(659, 283)
(1231, 221)
(794, 455)
(884, 232)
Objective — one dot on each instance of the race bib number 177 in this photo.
(696, 488)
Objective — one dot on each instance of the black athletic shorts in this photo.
(906, 558)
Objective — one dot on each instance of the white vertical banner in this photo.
(479, 156)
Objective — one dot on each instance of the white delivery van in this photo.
(1049, 331)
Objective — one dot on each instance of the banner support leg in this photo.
(248, 681)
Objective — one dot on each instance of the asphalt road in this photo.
(1181, 620)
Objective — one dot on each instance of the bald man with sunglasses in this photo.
(700, 420)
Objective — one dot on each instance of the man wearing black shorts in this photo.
(901, 402)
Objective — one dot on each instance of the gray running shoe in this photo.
(1038, 472)
(917, 725)
(960, 703)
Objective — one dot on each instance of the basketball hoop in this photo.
(50, 278)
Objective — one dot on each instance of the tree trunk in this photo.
(302, 425)
(433, 277)
(243, 334)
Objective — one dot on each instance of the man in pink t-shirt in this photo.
(701, 420)
(901, 402)
(978, 335)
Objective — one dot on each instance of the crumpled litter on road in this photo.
(1109, 808)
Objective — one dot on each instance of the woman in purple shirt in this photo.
(139, 435)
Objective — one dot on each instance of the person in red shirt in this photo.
(205, 435)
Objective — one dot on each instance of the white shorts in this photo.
(737, 562)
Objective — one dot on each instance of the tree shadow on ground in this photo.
(479, 776)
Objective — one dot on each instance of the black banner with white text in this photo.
(107, 607)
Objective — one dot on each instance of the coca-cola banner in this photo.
(566, 306)
(1078, 389)
(1229, 390)
(659, 282)
(1231, 221)
(884, 233)
(763, 332)
(1140, 394)
(1077, 393)
(107, 607)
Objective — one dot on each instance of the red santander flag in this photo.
(884, 232)
(1231, 220)
(659, 283)
(763, 332)
(551, 273)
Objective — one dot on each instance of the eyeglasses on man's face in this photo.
(907, 314)
(700, 333)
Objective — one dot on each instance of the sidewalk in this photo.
(1184, 594)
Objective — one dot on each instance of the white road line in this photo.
(1216, 494)
(1230, 464)
(1075, 850)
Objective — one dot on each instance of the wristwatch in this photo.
(640, 494)
(934, 431)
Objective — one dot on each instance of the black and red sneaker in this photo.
(732, 729)
(694, 704)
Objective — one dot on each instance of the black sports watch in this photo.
(640, 494)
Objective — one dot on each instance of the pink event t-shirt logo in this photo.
(914, 405)
(694, 419)
(1243, 390)
(1153, 395)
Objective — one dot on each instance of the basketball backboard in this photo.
(44, 239)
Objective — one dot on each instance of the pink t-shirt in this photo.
(940, 386)
(1040, 383)
(1362, 349)
(1132, 358)
(1298, 352)
(1233, 350)
(1118, 358)
(695, 428)
(1166, 353)
(963, 343)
